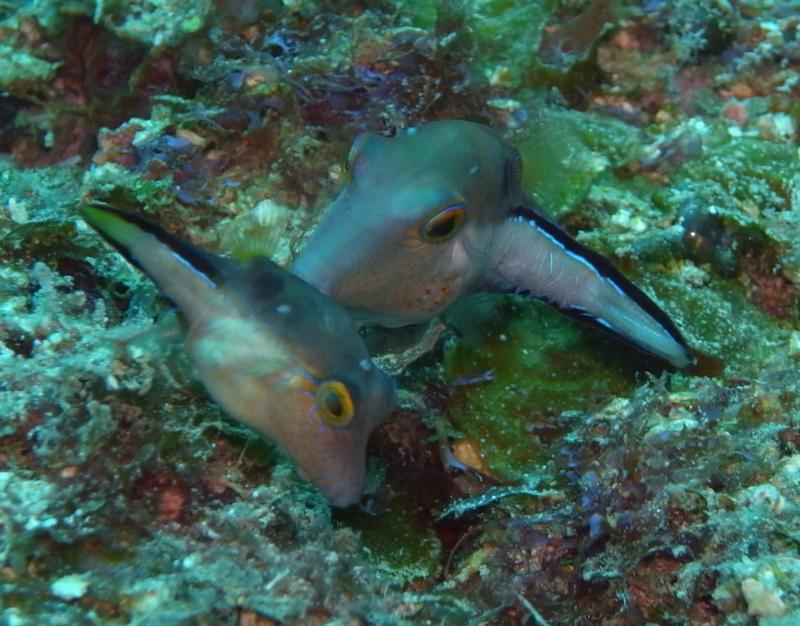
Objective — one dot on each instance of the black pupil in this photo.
(443, 226)
(332, 404)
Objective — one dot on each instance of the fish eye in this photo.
(335, 402)
(444, 224)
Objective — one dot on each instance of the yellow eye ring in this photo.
(334, 402)
(444, 224)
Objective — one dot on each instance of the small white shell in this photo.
(257, 232)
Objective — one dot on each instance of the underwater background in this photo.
(536, 471)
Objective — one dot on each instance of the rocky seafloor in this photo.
(535, 471)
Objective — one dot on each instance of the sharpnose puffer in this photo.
(273, 351)
(436, 213)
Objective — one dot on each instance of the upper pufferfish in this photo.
(438, 212)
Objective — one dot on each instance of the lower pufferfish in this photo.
(275, 353)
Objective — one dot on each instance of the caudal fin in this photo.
(181, 271)
(535, 257)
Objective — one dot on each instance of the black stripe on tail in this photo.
(604, 267)
(203, 262)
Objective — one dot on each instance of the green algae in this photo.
(122, 186)
(154, 22)
(50, 240)
(149, 21)
(52, 16)
(507, 33)
(564, 152)
(721, 322)
(397, 541)
(743, 177)
(421, 13)
(542, 364)
(40, 194)
(752, 183)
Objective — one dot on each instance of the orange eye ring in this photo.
(334, 402)
(444, 224)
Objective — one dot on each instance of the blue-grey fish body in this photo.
(275, 353)
(437, 213)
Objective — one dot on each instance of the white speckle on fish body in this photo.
(474, 170)
(365, 364)
(285, 309)
(411, 130)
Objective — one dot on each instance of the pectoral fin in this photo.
(533, 256)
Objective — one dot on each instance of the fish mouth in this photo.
(342, 497)
(340, 488)
(334, 460)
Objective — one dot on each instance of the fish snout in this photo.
(345, 494)
(334, 460)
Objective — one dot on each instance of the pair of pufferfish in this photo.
(429, 216)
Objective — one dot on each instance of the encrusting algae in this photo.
(534, 470)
